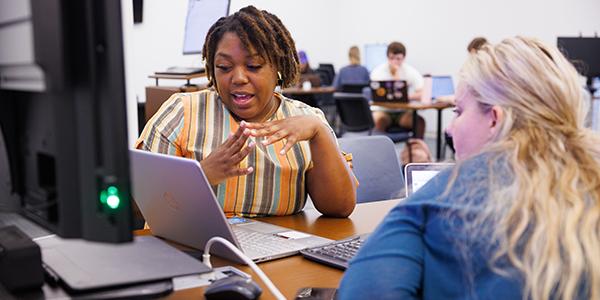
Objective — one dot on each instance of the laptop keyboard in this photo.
(265, 244)
(337, 254)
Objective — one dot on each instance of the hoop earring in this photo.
(279, 79)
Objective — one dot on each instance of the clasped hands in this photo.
(224, 161)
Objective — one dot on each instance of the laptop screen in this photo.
(418, 174)
(441, 86)
(389, 90)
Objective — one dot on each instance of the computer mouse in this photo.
(233, 288)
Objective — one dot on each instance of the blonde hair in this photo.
(354, 55)
(545, 221)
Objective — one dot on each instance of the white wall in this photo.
(153, 45)
(435, 32)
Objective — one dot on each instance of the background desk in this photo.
(416, 106)
(292, 273)
(311, 91)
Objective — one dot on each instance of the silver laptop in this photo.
(418, 174)
(179, 204)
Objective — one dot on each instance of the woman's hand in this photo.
(292, 129)
(224, 161)
(329, 182)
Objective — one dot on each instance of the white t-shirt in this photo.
(406, 72)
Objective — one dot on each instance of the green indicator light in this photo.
(103, 197)
(113, 201)
(112, 191)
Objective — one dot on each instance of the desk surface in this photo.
(292, 273)
(413, 105)
(311, 91)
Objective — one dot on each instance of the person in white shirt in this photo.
(396, 69)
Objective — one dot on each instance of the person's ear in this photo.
(496, 118)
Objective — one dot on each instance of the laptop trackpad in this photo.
(272, 229)
(293, 235)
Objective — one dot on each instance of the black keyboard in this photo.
(336, 254)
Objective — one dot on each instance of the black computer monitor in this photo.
(583, 52)
(63, 117)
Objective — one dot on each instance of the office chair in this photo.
(326, 79)
(309, 99)
(329, 70)
(376, 166)
(355, 115)
(354, 88)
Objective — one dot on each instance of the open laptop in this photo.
(389, 91)
(437, 88)
(179, 204)
(441, 86)
(418, 174)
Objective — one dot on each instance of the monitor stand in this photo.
(9, 201)
(82, 266)
(53, 291)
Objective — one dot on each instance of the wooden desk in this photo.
(311, 91)
(416, 106)
(292, 273)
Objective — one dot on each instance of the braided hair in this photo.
(258, 30)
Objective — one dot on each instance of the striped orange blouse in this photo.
(192, 125)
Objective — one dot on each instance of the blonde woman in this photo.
(352, 74)
(519, 216)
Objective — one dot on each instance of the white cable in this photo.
(249, 262)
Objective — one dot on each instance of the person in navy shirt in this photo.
(354, 73)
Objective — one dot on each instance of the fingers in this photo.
(240, 155)
(240, 171)
(289, 143)
(234, 136)
(273, 132)
(275, 137)
(236, 141)
(261, 129)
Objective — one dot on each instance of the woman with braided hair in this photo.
(261, 151)
(519, 215)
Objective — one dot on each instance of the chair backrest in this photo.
(354, 88)
(354, 112)
(329, 68)
(306, 98)
(326, 76)
(376, 166)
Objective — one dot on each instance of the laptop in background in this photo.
(389, 91)
(418, 174)
(437, 88)
(179, 204)
(441, 86)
